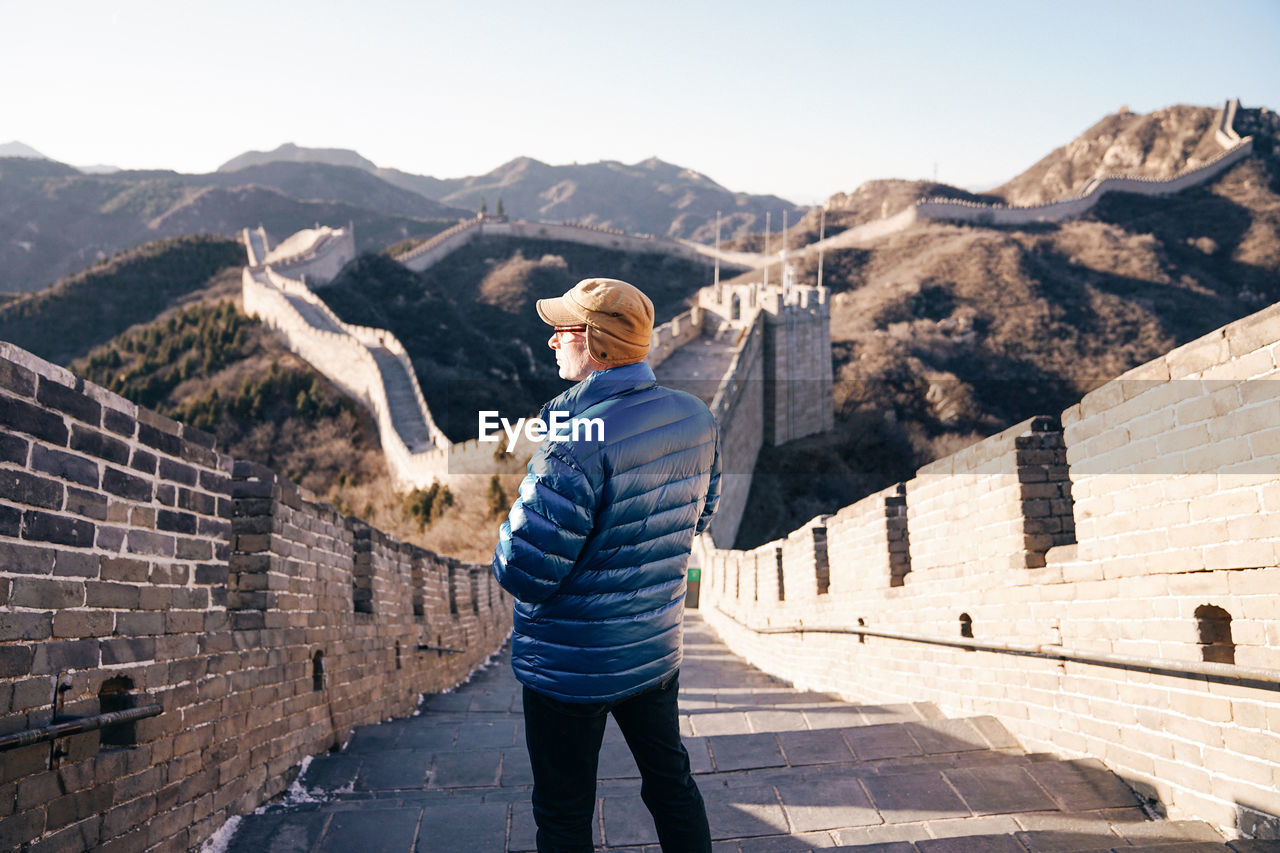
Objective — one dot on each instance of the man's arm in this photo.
(713, 490)
(544, 534)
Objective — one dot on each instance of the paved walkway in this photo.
(402, 400)
(700, 365)
(781, 770)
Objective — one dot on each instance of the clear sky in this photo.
(798, 98)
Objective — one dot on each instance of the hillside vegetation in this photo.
(469, 324)
(944, 334)
(64, 321)
(212, 367)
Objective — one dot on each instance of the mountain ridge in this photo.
(290, 152)
(21, 149)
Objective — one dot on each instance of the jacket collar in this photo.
(602, 385)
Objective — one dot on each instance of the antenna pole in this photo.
(717, 256)
(822, 233)
(786, 271)
(767, 227)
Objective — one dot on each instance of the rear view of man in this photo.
(595, 551)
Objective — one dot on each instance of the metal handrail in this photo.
(78, 726)
(1265, 678)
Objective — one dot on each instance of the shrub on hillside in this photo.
(427, 505)
(496, 497)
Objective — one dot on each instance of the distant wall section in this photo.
(315, 255)
(430, 252)
(1235, 149)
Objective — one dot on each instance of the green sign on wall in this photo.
(695, 574)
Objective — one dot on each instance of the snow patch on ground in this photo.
(217, 843)
(485, 664)
(297, 794)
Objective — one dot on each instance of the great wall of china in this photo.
(1105, 582)
(1234, 149)
(728, 349)
(179, 630)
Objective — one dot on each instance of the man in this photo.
(595, 551)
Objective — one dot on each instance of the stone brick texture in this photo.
(265, 624)
(1103, 531)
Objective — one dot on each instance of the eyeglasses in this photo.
(565, 331)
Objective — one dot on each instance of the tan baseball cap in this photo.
(618, 317)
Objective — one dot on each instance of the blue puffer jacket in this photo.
(596, 545)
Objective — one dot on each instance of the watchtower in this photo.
(794, 321)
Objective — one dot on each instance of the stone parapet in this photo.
(673, 334)
(1128, 561)
(138, 565)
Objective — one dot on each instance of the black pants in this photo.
(564, 746)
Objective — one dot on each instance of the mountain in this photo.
(942, 333)
(317, 181)
(432, 188)
(54, 220)
(99, 169)
(290, 153)
(20, 149)
(649, 197)
(877, 199)
(59, 219)
(1154, 145)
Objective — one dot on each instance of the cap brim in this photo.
(558, 312)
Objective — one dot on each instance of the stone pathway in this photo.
(406, 412)
(699, 365)
(781, 770)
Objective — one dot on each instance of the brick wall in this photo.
(134, 556)
(1136, 531)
